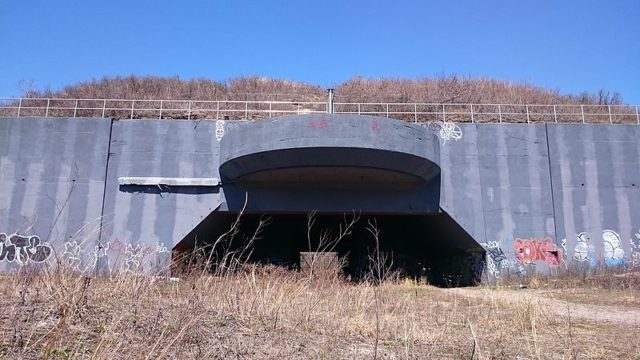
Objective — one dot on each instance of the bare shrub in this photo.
(451, 89)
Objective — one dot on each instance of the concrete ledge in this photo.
(167, 181)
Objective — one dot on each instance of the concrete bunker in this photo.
(331, 169)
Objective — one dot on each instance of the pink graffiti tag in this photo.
(375, 126)
(531, 250)
(320, 123)
(117, 245)
(146, 250)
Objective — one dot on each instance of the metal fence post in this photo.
(444, 116)
(258, 109)
(330, 99)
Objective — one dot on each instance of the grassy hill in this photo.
(440, 89)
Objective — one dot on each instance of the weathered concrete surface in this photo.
(142, 223)
(596, 180)
(536, 197)
(330, 163)
(52, 174)
(496, 184)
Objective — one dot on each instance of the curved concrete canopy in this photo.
(355, 145)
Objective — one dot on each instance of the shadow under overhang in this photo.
(338, 163)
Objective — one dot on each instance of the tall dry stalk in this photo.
(326, 242)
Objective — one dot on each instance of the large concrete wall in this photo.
(536, 197)
(52, 174)
(143, 223)
(595, 171)
(546, 196)
(496, 185)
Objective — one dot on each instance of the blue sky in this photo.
(571, 46)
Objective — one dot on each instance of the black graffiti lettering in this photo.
(496, 254)
(22, 249)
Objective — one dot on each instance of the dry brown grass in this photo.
(598, 286)
(452, 89)
(267, 312)
(417, 100)
(629, 298)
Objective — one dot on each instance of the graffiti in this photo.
(23, 249)
(117, 245)
(635, 250)
(496, 259)
(72, 255)
(563, 243)
(450, 131)
(613, 252)
(532, 250)
(219, 129)
(100, 253)
(434, 126)
(134, 254)
(375, 126)
(318, 123)
(133, 258)
(161, 248)
(583, 247)
(446, 130)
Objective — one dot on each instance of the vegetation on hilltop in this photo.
(439, 89)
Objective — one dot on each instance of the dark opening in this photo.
(432, 247)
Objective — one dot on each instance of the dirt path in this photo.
(615, 314)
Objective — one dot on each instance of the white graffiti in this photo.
(496, 259)
(563, 244)
(161, 248)
(613, 252)
(635, 250)
(133, 258)
(72, 255)
(219, 129)
(100, 252)
(450, 131)
(583, 247)
(23, 249)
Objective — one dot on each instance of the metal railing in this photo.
(254, 110)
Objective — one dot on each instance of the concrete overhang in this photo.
(330, 148)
